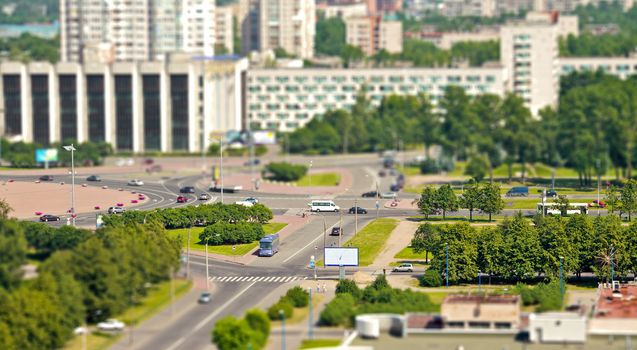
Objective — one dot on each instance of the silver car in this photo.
(404, 268)
(388, 195)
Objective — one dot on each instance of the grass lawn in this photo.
(408, 253)
(371, 239)
(157, 298)
(411, 170)
(240, 249)
(319, 343)
(320, 179)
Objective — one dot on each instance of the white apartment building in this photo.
(136, 107)
(224, 30)
(529, 53)
(285, 99)
(466, 8)
(271, 24)
(622, 67)
(356, 9)
(135, 30)
(372, 34)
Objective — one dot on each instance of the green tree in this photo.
(471, 198)
(330, 36)
(516, 136)
(563, 204)
(350, 54)
(231, 334)
(581, 235)
(5, 209)
(477, 167)
(427, 202)
(490, 244)
(425, 239)
(259, 323)
(460, 240)
(285, 171)
(522, 247)
(298, 296)
(628, 198)
(431, 278)
(491, 200)
(348, 286)
(446, 200)
(556, 242)
(13, 246)
(338, 311)
(612, 199)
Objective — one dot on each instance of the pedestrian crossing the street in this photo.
(266, 279)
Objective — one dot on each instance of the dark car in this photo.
(336, 231)
(359, 210)
(46, 178)
(394, 187)
(521, 191)
(49, 217)
(551, 193)
(370, 194)
(93, 178)
(382, 173)
(182, 199)
(253, 162)
(187, 189)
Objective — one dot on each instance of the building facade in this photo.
(372, 34)
(529, 53)
(135, 30)
(224, 30)
(285, 99)
(137, 107)
(271, 24)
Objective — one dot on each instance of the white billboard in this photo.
(341, 256)
(264, 137)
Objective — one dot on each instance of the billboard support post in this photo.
(341, 272)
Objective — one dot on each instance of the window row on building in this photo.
(135, 107)
(289, 98)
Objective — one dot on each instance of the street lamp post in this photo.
(221, 166)
(324, 239)
(207, 269)
(282, 314)
(355, 217)
(309, 178)
(562, 280)
(188, 252)
(447, 264)
(71, 149)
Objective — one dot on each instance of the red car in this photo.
(182, 199)
(595, 204)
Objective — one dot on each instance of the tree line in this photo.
(22, 154)
(88, 277)
(518, 249)
(591, 131)
(483, 197)
(225, 223)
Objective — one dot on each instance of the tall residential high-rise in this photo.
(372, 34)
(135, 30)
(271, 24)
(529, 53)
(224, 28)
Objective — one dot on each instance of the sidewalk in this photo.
(296, 333)
(399, 239)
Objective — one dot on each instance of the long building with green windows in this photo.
(285, 99)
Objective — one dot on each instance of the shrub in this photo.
(348, 286)
(285, 171)
(298, 297)
(547, 296)
(225, 233)
(260, 150)
(338, 311)
(283, 304)
(260, 325)
(431, 278)
(429, 166)
(231, 333)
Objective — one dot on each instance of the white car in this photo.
(204, 197)
(404, 268)
(248, 202)
(116, 210)
(80, 330)
(111, 325)
(388, 195)
(135, 182)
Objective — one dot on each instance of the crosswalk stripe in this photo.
(269, 279)
(289, 279)
(242, 279)
(276, 279)
(232, 279)
(259, 279)
(223, 279)
(250, 279)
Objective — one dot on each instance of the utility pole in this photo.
(324, 239)
(562, 281)
(207, 269)
(220, 171)
(310, 322)
(71, 149)
(356, 216)
(282, 314)
(340, 230)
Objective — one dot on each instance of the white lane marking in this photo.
(276, 279)
(233, 279)
(260, 279)
(250, 279)
(309, 244)
(290, 279)
(223, 279)
(203, 322)
(244, 278)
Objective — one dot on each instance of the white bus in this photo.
(554, 209)
(323, 205)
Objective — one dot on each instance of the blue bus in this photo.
(269, 245)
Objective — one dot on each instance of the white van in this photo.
(324, 205)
